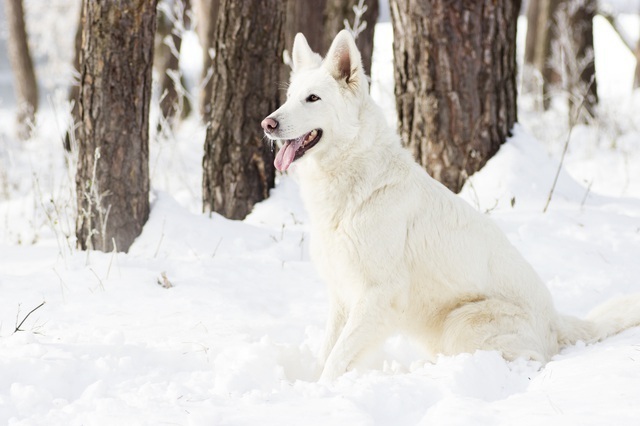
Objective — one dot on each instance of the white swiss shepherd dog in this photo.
(399, 251)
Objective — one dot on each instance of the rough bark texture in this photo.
(307, 17)
(167, 59)
(238, 164)
(337, 11)
(115, 85)
(455, 73)
(208, 16)
(24, 77)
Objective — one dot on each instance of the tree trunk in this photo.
(112, 181)
(531, 81)
(208, 14)
(171, 22)
(74, 89)
(455, 73)
(538, 49)
(582, 85)
(24, 76)
(238, 164)
(307, 17)
(335, 14)
(533, 11)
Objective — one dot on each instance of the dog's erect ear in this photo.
(343, 59)
(302, 55)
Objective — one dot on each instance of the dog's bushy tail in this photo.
(608, 319)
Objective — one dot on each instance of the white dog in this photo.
(398, 250)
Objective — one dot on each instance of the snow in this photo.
(233, 338)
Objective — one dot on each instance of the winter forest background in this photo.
(214, 313)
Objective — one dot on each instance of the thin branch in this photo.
(27, 316)
(566, 145)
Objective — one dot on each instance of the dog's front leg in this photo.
(364, 328)
(335, 324)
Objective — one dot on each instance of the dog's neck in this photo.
(331, 187)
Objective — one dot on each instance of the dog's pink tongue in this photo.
(287, 154)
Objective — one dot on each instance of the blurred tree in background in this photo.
(559, 54)
(24, 77)
(173, 19)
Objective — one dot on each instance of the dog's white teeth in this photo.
(313, 133)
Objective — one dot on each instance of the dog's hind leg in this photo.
(364, 328)
(493, 324)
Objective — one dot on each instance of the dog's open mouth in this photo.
(292, 149)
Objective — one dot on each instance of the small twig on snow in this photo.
(27, 316)
(164, 281)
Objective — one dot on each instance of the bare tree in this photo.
(455, 73)
(238, 165)
(207, 17)
(339, 11)
(541, 32)
(172, 22)
(26, 86)
(112, 181)
(573, 57)
(74, 89)
(559, 47)
(584, 83)
(533, 11)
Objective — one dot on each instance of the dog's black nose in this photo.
(269, 124)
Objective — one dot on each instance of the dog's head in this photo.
(323, 101)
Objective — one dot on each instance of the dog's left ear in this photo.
(343, 59)
(303, 56)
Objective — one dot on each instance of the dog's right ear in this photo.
(343, 60)
(302, 55)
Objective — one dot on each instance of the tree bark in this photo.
(173, 105)
(238, 164)
(307, 17)
(545, 35)
(208, 16)
(112, 181)
(531, 81)
(533, 11)
(583, 87)
(455, 73)
(335, 14)
(26, 87)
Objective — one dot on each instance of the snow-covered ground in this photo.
(232, 340)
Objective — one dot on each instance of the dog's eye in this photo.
(312, 98)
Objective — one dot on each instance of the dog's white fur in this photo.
(399, 251)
